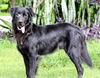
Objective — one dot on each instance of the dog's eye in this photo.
(16, 14)
(24, 14)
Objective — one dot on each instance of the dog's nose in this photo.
(20, 23)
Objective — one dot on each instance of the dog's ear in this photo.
(31, 12)
(12, 11)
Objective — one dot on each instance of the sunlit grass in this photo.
(57, 65)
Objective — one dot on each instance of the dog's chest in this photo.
(22, 38)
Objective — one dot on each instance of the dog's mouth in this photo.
(21, 28)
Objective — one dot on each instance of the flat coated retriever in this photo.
(34, 41)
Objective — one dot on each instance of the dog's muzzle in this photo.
(21, 27)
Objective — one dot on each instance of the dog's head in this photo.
(21, 16)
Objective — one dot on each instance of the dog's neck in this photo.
(20, 37)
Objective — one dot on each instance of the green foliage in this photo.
(3, 6)
(8, 27)
(57, 65)
(87, 13)
(68, 10)
(80, 12)
(7, 24)
(3, 1)
(4, 13)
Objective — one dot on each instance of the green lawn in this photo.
(56, 65)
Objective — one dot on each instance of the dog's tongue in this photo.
(22, 29)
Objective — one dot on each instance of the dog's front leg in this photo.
(31, 64)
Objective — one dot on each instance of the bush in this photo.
(8, 26)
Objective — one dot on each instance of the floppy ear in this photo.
(12, 11)
(31, 12)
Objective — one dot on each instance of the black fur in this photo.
(42, 40)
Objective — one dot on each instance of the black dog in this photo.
(34, 40)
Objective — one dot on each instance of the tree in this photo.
(80, 12)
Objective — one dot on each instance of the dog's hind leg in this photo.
(73, 51)
(76, 61)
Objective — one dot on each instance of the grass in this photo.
(57, 65)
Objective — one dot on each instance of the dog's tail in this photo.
(85, 56)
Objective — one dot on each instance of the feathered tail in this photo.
(85, 56)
